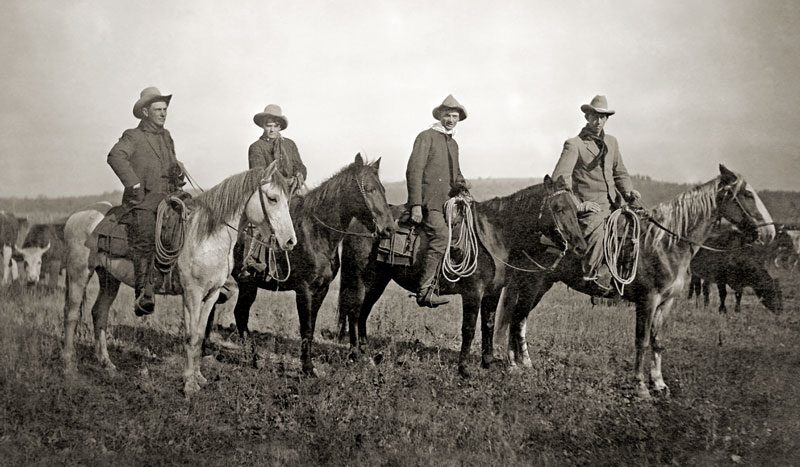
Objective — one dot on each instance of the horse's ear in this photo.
(377, 164)
(359, 160)
(548, 182)
(728, 176)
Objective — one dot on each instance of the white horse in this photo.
(259, 196)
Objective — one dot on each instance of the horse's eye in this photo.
(272, 199)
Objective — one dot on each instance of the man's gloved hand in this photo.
(416, 214)
(588, 206)
(137, 194)
(632, 196)
(177, 176)
(458, 189)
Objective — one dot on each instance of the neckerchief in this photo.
(441, 129)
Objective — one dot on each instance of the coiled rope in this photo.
(167, 256)
(614, 244)
(467, 241)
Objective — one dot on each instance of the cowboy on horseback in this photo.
(433, 175)
(144, 160)
(592, 164)
(270, 147)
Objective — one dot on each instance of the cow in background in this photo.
(12, 230)
(743, 266)
(43, 252)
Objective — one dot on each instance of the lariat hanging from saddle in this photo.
(171, 217)
(459, 208)
(621, 246)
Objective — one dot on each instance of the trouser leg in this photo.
(436, 231)
(141, 242)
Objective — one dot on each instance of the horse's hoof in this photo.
(527, 363)
(463, 371)
(110, 368)
(487, 361)
(642, 393)
(190, 388)
(201, 380)
(377, 359)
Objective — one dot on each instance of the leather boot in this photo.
(426, 295)
(145, 302)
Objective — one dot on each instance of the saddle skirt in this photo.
(110, 238)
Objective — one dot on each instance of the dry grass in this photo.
(733, 382)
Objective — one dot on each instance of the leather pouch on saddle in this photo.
(398, 249)
(111, 233)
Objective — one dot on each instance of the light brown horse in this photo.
(667, 246)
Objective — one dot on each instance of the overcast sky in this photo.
(693, 83)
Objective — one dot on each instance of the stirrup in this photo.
(142, 309)
(428, 298)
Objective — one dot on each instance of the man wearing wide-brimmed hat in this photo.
(144, 160)
(271, 146)
(432, 176)
(592, 163)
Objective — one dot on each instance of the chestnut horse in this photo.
(676, 230)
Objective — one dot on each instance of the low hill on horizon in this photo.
(783, 205)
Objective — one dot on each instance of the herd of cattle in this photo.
(31, 253)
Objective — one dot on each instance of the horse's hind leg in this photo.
(471, 304)
(530, 296)
(644, 326)
(196, 311)
(373, 292)
(656, 342)
(77, 277)
(109, 286)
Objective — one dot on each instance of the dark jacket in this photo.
(143, 155)
(263, 152)
(432, 170)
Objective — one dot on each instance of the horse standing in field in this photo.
(321, 218)
(676, 230)
(42, 252)
(738, 265)
(509, 231)
(259, 196)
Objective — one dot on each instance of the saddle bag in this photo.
(112, 235)
(399, 248)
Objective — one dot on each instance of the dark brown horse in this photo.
(509, 231)
(321, 218)
(664, 256)
(739, 266)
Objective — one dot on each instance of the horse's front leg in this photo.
(308, 303)
(197, 305)
(471, 304)
(488, 313)
(644, 320)
(657, 344)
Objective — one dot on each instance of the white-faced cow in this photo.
(11, 229)
(43, 252)
(742, 266)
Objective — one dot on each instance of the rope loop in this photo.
(467, 241)
(614, 244)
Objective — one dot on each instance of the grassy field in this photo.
(733, 378)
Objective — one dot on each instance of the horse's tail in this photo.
(341, 318)
(502, 323)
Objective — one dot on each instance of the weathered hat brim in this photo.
(261, 116)
(586, 108)
(145, 101)
(462, 112)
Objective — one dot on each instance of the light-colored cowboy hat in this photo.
(147, 97)
(272, 111)
(450, 102)
(599, 104)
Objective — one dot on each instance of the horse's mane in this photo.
(320, 196)
(526, 201)
(683, 213)
(224, 200)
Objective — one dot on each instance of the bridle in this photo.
(374, 234)
(733, 190)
